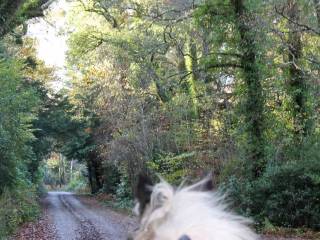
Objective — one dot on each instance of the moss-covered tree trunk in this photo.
(161, 91)
(254, 103)
(297, 82)
(191, 62)
(187, 68)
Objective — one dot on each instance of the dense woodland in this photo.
(178, 88)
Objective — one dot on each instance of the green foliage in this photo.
(124, 194)
(286, 195)
(20, 101)
(77, 185)
(17, 206)
(18, 105)
(112, 177)
(172, 168)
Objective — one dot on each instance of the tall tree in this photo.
(297, 82)
(254, 103)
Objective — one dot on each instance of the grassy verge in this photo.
(301, 233)
(110, 201)
(17, 207)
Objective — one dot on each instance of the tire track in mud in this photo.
(86, 229)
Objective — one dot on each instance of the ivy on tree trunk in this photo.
(254, 104)
(297, 82)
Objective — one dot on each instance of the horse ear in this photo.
(204, 185)
(143, 191)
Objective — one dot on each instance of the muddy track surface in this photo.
(75, 219)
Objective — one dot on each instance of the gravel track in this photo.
(75, 220)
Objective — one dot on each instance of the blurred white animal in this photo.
(186, 213)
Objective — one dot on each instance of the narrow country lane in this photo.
(78, 220)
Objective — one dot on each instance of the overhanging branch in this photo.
(224, 65)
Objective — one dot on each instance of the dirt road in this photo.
(75, 220)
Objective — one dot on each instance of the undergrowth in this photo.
(17, 207)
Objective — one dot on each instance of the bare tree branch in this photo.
(303, 27)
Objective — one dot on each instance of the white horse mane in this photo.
(197, 215)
